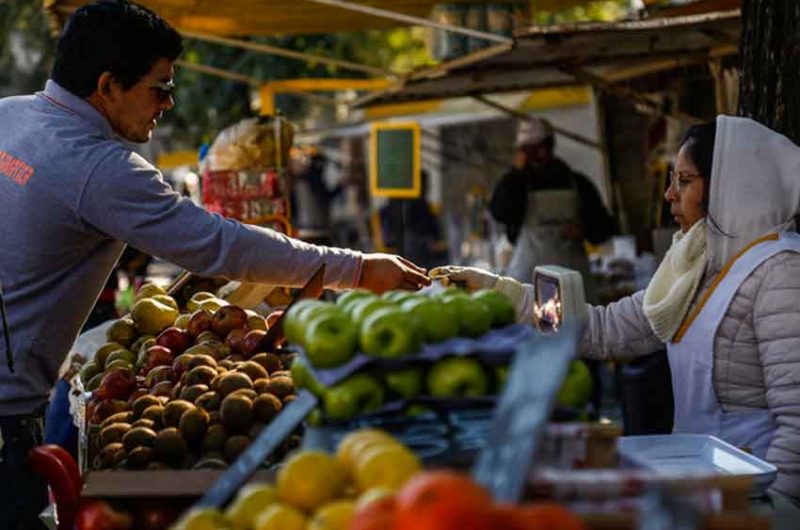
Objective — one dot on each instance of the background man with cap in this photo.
(547, 208)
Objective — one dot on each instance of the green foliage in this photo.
(598, 11)
(26, 49)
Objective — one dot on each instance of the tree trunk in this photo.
(770, 53)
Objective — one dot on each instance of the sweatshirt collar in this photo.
(63, 98)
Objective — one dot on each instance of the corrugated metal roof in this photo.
(546, 56)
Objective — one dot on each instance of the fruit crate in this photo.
(249, 196)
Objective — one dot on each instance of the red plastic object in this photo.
(244, 195)
(49, 462)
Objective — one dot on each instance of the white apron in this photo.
(541, 240)
(691, 361)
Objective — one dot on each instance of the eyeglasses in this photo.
(682, 179)
(165, 90)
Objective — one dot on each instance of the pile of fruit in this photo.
(372, 482)
(384, 335)
(182, 390)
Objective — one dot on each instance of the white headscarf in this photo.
(754, 191)
(755, 187)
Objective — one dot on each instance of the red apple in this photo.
(156, 356)
(251, 342)
(174, 339)
(118, 383)
(201, 321)
(98, 515)
(228, 318)
(235, 339)
(273, 317)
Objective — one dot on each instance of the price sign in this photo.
(395, 160)
(523, 410)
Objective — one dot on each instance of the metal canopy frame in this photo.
(601, 54)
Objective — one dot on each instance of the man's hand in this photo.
(471, 277)
(384, 272)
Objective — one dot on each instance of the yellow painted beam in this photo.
(327, 85)
(554, 98)
(379, 112)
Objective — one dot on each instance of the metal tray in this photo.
(676, 453)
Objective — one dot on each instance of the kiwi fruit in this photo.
(207, 336)
(253, 370)
(214, 439)
(236, 412)
(157, 466)
(261, 385)
(227, 364)
(281, 387)
(199, 375)
(94, 382)
(119, 417)
(173, 411)
(269, 361)
(247, 392)
(281, 373)
(193, 425)
(288, 399)
(154, 414)
(233, 381)
(104, 351)
(255, 430)
(138, 437)
(210, 463)
(106, 458)
(141, 404)
(170, 446)
(209, 401)
(266, 407)
(214, 416)
(191, 393)
(234, 446)
(139, 458)
(162, 389)
(144, 422)
(113, 433)
(201, 359)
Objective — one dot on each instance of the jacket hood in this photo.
(755, 187)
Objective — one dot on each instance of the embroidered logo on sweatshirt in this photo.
(15, 169)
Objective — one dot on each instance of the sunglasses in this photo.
(165, 90)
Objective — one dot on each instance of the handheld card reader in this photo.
(559, 297)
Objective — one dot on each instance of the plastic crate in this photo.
(248, 196)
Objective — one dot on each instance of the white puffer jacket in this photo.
(754, 191)
(756, 352)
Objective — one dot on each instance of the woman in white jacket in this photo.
(725, 299)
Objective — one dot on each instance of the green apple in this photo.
(500, 377)
(390, 332)
(436, 320)
(474, 318)
(406, 383)
(457, 377)
(295, 319)
(330, 338)
(362, 309)
(349, 297)
(500, 306)
(452, 291)
(358, 394)
(303, 377)
(576, 391)
(398, 296)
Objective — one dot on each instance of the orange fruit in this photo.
(443, 500)
(376, 515)
(549, 516)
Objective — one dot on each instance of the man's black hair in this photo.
(114, 36)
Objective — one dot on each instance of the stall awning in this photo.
(564, 55)
(264, 17)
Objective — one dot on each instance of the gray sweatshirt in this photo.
(72, 194)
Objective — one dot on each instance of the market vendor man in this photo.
(548, 209)
(73, 193)
(724, 300)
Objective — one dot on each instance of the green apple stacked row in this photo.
(395, 326)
